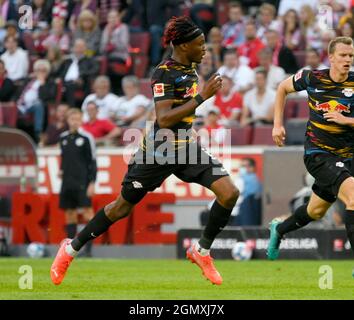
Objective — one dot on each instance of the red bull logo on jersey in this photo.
(192, 91)
(333, 106)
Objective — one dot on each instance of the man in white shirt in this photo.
(16, 59)
(275, 74)
(258, 103)
(242, 75)
(102, 97)
(131, 109)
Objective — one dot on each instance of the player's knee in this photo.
(317, 213)
(229, 197)
(349, 203)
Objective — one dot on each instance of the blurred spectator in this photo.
(105, 6)
(11, 28)
(258, 103)
(115, 45)
(214, 45)
(291, 30)
(248, 51)
(131, 109)
(275, 74)
(88, 30)
(51, 136)
(77, 73)
(55, 57)
(214, 133)
(313, 60)
(103, 130)
(282, 55)
(285, 5)
(16, 59)
(327, 36)
(242, 75)
(266, 20)
(79, 7)
(39, 36)
(41, 12)
(227, 101)
(346, 30)
(7, 11)
(250, 210)
(158, 12)
(101, 95)
(234, 30)
(58, 36)
(6, 85)
(36, 94)
(202, 13)
(61, 8)
(310, 30)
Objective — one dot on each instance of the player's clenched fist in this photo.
(211, 86)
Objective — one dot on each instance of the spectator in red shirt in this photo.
(103, 130)
(227, 101)
(249, 50)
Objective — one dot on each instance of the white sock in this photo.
(203, 252)
(70, 250)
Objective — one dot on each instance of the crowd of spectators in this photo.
(79, 54)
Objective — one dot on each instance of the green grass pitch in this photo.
(177, 279)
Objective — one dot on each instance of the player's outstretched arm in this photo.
(285, 87)
(168, 117)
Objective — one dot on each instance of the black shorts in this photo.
(329, 172)
(74, 198)
(144, 177)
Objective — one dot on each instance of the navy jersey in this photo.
(325, 95)
(172, 80)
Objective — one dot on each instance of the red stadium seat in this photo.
(140, 42)
(140, 65)
(8, 112)
(303, 109)
(241, 136)
(290, 110)
(222, 11)
(145, 88)
(262, 135)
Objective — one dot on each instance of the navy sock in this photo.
(299, 219)
(96, 226)
(349, 225)
(71, 230)
(218, 219)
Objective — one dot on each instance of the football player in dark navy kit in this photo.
(329, 140)
(175, 88)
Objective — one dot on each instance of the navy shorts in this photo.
(329, 172)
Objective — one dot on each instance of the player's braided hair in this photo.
(180, 30)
